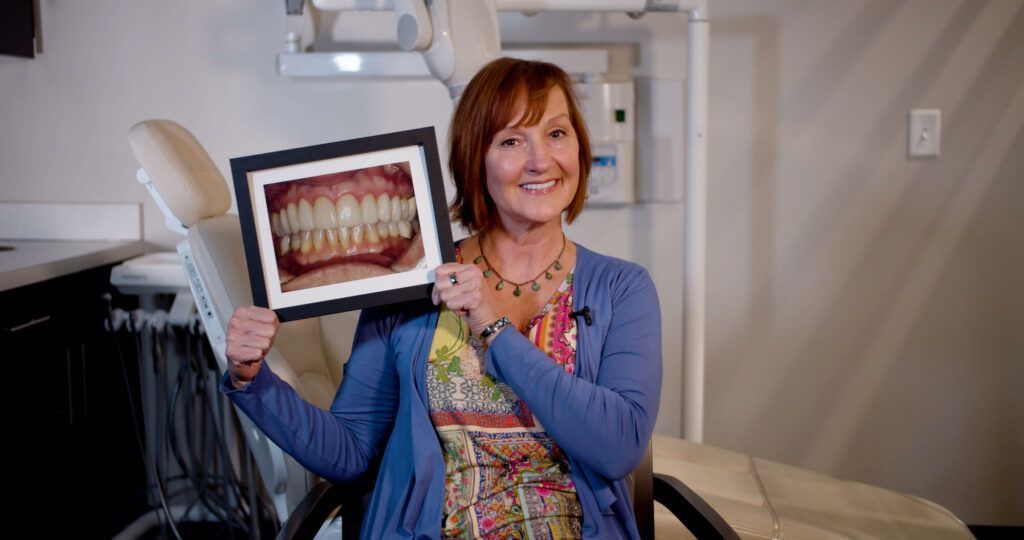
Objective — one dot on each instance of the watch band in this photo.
(494, 327)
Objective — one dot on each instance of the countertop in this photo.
(34, 261)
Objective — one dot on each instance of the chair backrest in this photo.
(189, 182)
(307, 354)
(641, 490)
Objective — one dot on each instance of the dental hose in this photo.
(151, 466)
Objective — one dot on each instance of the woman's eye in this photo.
(509, 142)
(559, 133)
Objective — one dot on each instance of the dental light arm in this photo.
(415, 31)
(457, 37)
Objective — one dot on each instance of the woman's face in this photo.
(533, 171)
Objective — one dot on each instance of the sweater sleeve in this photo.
(605, 424)
(342, 443)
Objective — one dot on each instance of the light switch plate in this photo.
(923, 135)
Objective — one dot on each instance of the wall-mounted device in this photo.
(609, 110)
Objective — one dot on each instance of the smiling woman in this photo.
(492, 412)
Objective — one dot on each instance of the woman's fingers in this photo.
(466, 300)
(246, 356)
(251, 333)
(454, 276)
(249, 326)
(260, 343)
(253, 315)
(455, 281)
(464, 295)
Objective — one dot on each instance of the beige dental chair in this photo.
(726, 494)
(308, 354)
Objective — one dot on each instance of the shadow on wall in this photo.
(835, 364)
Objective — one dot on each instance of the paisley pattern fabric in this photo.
(505, 476)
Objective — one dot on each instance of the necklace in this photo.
(534, 286)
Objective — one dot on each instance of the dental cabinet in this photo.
(76, 464)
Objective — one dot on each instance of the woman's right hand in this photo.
(251, 333)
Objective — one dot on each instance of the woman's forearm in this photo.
(605, 424)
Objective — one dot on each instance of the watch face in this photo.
(498, 325)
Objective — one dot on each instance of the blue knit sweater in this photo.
(602, 415)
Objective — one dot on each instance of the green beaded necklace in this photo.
(534, 286)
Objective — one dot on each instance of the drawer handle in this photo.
(31, 323)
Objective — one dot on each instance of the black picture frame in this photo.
(319, 276)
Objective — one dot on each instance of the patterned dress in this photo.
(505, 476)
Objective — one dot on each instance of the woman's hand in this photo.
(466, 295)
(251, 333)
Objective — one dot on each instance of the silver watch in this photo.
(494, 327)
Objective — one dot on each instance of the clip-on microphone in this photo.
(585, 312)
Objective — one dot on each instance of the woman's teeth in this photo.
(346, 222)
(538, 187)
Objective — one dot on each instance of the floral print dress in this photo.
(505, 476)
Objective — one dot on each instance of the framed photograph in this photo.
(344, 225)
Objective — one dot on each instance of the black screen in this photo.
(17, 28)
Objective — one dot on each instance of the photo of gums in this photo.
(344, 226)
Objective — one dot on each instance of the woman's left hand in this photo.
(465, 294)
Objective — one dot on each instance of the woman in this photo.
(482, 429)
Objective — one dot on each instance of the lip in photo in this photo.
(343, 225)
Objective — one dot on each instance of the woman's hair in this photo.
(486, 107)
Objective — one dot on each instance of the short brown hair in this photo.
(486, 107)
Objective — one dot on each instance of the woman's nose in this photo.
(540, 156)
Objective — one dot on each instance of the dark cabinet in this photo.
(68, 398)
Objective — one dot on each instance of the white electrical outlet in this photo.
(924, 133)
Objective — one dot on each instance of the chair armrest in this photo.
(689, 508)
(318, 506)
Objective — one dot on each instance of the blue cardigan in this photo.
(602, 415)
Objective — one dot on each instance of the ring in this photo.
(451, 277)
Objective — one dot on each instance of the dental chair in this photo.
(726, 494)
(195, 199)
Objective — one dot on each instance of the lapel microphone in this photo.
(585, 312)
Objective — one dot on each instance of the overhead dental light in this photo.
(456, 38)
(450, 40)
(415, 32)
(465, 38)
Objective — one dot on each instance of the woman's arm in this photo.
(340, 444)
(607, 424)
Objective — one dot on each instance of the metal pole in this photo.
(695, 222)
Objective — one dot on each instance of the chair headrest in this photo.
(180, 169)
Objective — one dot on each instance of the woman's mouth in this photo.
(539, 187)
(344, 226)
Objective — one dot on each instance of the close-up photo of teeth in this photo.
(344, 226)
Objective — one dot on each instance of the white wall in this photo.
(866, 312)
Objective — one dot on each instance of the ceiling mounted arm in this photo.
(415, 30)
(466, 37)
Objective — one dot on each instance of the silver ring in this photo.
(451, 277)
